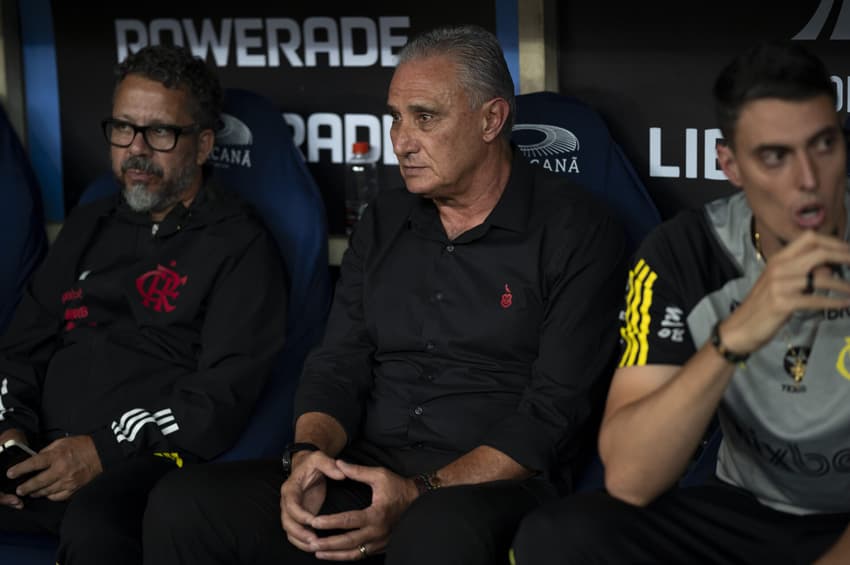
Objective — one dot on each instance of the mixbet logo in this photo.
(232, 144)
(551, 151)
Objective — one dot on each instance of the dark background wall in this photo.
(651, 66)
(648, 67)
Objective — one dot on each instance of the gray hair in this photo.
(482, 69)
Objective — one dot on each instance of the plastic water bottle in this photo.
(361, 184)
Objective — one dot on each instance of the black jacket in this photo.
(148, 339)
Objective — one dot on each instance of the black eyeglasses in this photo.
(159, 137)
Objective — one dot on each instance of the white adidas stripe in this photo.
(4, 390)
(132, 421)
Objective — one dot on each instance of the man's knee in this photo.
(566, 531)
(464, 525)
(173, 505)
(92, 533)
(429, 531)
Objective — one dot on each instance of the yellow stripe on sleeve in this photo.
(636, 325)
(646, 302)
(625, 330)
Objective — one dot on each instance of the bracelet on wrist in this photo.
(730, 356)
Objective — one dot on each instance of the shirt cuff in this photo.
(107, 448)
(525, 441)
(330, 404)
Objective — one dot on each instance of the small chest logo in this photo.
(795, 361)
(158, 287)
(507, 298)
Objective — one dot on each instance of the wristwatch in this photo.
(427, 481)
(291, 450)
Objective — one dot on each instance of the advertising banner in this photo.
(326, 65)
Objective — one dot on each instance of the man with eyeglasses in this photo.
(148, 333)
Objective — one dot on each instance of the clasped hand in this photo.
(304, 492)
(783, 288)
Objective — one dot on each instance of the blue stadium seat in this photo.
(22, 230)
(563, 134)
(255, 156)
(566, 136)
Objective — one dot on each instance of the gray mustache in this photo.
(143, 164)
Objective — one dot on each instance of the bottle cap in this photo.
(360, 147)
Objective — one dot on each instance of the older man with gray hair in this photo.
(469, 342)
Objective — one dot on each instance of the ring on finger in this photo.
(363, 552)
(810, 283)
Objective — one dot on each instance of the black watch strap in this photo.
(292, 449)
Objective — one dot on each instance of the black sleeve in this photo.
(576, 351)
(31, 339)
(663, 285)
(25, 350)
(337, 376)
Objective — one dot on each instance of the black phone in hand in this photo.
(13, 452)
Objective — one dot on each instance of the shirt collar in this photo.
(513, 208)
(511, 211)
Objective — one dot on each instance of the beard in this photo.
(141, 199)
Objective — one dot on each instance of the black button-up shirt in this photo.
(498, 337)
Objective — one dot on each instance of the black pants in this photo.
(229, 513)
(101, 522)
(715, 523)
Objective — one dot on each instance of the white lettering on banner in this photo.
(259, 42)
(313, 28)
(231, 156)
(167, 28)
(349, 57)
(839, 92)
(560, 165)
(245, 40)
(288, 48)
(709, 147)
(208, 39)
(326, 133)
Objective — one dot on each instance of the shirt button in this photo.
(438, 296)
(418, 445)
(450, 248)
(428, 377)
(418, 410)
(429, 346)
